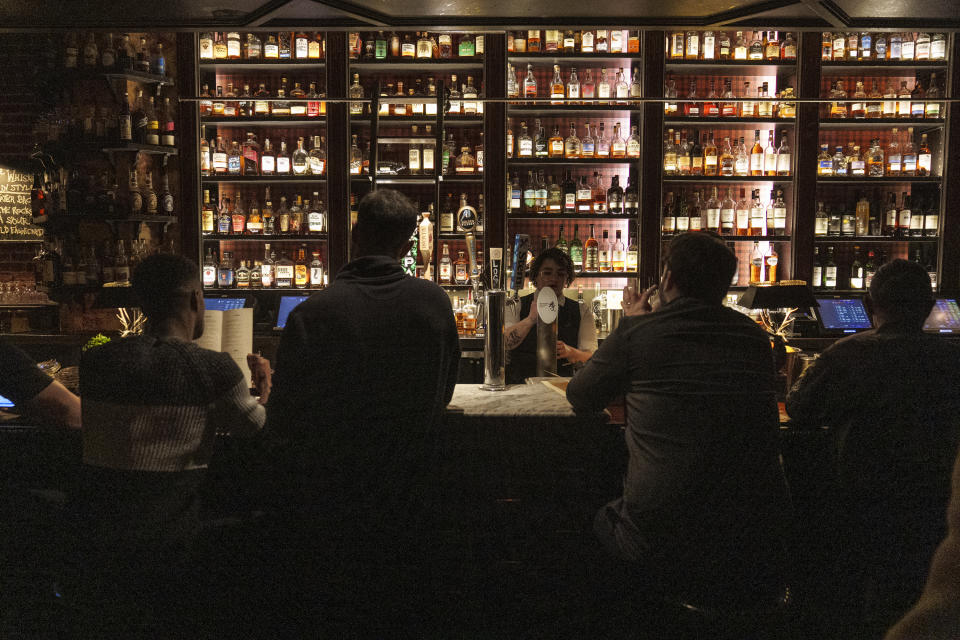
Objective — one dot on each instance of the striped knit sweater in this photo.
(157, 404)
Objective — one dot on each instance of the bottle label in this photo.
(743, 219)
(713, 218)
(783, 164)
(916, 222)
(820, 226)
(316, 276)
(756, 162)
(856, 282)
(931, 222)
(909, 164)
(817, 280)
(924, 163)
(283, 165)
(830, 277)
(284, 271)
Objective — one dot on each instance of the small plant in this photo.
(96, 341)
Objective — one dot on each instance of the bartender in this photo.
(576, 332)
(34, 392)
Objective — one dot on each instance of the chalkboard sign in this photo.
(16, 216)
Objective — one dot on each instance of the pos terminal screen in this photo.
(944, 317)
(224, 304)
(843, 315)
(5, 403)
(287, 304)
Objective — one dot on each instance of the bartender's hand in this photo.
(261, 374)
(531, 318)
(638, 305)
(570, 353)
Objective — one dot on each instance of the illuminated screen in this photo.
(287, 304)
(843, 315)
(224, 304)
(944, 317)
(5, 403)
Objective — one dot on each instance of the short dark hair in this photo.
(385, 220)
(162, 283)
(901, 291)
(558, 256)
(701, 265)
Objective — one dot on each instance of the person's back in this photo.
(363, 373)
(702, 485)
(893, 407)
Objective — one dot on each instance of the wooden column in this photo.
(187, 162)
(949, 253)
(495, 147)
(338, 153)
(806, 147)
(651, 166)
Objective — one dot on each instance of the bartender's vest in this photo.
(523, 359)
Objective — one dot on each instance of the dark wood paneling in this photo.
(652, 158)
(187, 163)
(950, 199)
(338, 153)
(494, 146)
(806, 141)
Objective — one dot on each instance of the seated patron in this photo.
(576, 331)
(33, 392)
(891, 400)
(152, 408)
(703, 494)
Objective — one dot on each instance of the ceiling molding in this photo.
(352, 10)
(745, 12)
(264, 13)
(830, 11)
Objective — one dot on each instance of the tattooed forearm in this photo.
(514, 338)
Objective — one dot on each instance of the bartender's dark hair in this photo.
(901, 291)
(563, 261)
(701, 264)
(163, 283)
(385, 220)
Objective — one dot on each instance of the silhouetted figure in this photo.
(891, 399)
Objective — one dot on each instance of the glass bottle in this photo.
(571, 146)
(251, 156)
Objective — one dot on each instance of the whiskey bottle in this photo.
(576, 250)
(631, 199)
(243, 275)
(584, 196)
(756, 155)
(297, 216)
(267, 269)
(712, 212)
(316, 216)
(829, 270)
(554, 197)
(299, 158)
(284, 272)
(425, 243)
(254, 218)
(251, 156)
(604, 253)
(591, 260)
(283, 159)
(728, 214)
(446, 266)
(166, 202)
(460, 272)
(301, 274)
(208, 214)
(150, 198)
(924, 157)
(615, 196)
(225, 272)
(224, 220)
(571, 146)
(316, 272)
(209, 270)
(743, 214)
(856, 270)
(633, 255)
(771, 261)
(599, 194)
(562, 242)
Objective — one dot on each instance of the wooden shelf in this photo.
(573, 216)
(260, 121)
(261, 65)
(415, 64)
(721, 179)
(883, 180)
(262, 179)
(719, 120)
(571, 161)
(872, 239)
(666, 237)
(877, 123)
(559, 57)
(319, 237)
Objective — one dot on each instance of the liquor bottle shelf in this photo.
(756, 67)
(872, 239)
(520, 107)
(392, 179)
(149, 149)
(262, 179)
(245, 290)
(318, 237)
(559, 57)
(573, 216)
(877, 123)
(883, 180)
(137, 76)
(446, 64)
(572, 161)
(719, 121)
(607, 274)
(845, 66)
(464, 178)
(745, 179)
(260, 65)
(385, 121)
(258, 121)
(461, 287)
(669, 236)
(828, 290)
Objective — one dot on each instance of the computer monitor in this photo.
(287, 304)
(842, 315)
(944, 318)
(225, 304)
(5, 403)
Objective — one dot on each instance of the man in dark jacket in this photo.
(702, 490)
(364, 371)
(891, 400)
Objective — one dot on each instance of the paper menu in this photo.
(230, 332)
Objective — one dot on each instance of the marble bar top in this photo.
(517, 400)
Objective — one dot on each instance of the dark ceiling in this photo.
(494, 14)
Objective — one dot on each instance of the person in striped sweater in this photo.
(152, 408)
